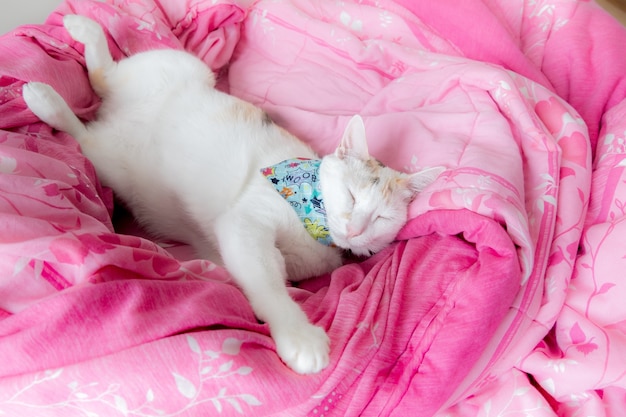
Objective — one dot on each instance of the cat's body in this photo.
(203, 178)
(186, 159)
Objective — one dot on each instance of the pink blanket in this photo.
(500, 297)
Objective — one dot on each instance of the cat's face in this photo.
(366, 203)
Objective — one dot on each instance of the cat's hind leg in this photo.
(98, 58)
(52, 109)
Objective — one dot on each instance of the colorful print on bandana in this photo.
(297, 180)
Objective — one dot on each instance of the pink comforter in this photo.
(500, 297)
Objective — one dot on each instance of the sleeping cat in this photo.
(200, 166)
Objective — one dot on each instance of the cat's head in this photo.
(366, 202)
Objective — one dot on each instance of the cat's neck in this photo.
(298, 181)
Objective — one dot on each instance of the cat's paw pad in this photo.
(42, 100)
(82, 28)
(303, 348)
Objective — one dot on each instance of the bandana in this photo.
(297, 180)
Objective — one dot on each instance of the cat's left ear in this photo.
(420, 180)
(353, 143)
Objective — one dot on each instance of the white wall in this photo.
(18, 12)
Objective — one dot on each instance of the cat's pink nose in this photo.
(354, 231)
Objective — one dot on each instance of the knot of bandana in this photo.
(297, 180)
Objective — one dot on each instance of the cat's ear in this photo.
(422, 179)
(353, 143)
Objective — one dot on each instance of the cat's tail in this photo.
(100, 63)
(52, 109)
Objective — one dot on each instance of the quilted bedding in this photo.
(502, 295)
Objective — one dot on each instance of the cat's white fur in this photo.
(185, 158)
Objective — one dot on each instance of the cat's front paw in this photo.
(304, 348)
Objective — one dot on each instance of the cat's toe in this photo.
(82, 28)
(304, 349)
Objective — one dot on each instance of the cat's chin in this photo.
(361, 252)
(360, 249)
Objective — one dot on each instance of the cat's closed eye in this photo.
(352, 198)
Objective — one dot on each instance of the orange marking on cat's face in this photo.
(374, 165)
(387, 192)
(377, 174)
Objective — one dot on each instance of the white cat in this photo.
(189, 161)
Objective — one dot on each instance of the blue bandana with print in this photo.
(297, 180)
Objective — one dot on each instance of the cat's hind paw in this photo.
(44, 102)
(83, 29)
(304, 348)
(52, 109)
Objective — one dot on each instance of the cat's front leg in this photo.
(250, 254)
